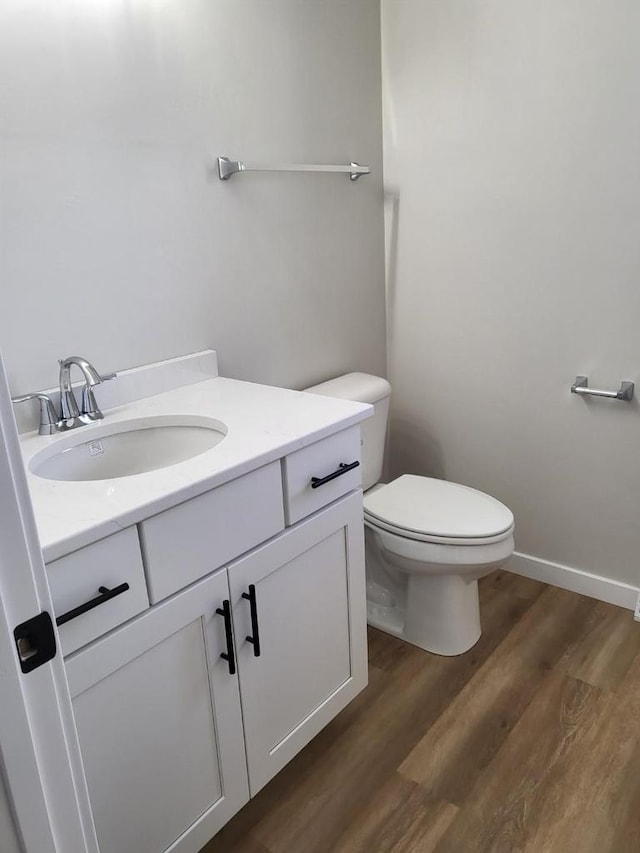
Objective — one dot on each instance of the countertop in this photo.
(263, 424)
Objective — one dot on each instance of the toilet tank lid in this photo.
(358, 387)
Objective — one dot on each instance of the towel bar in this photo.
(227, 168)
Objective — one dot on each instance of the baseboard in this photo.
(576, 580)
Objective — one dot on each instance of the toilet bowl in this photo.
(427, 541)
(435, 539)
(439, 607)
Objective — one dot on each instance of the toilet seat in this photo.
(428, 510)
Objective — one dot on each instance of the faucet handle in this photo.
(92, 377)
(48, 415)
(89, 405)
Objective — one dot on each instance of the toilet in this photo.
(427, 541)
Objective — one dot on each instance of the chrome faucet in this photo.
(70, 415)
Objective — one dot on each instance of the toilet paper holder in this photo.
(581, 386)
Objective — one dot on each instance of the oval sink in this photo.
(130, 447)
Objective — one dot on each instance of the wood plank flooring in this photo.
(530, 742)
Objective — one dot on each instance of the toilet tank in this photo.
(364, 388)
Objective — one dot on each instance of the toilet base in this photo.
(442, 617)
(427, 594)
(443, 613)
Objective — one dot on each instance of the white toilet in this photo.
(427, 541)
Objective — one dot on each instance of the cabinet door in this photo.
(160, 726)
(308, 592)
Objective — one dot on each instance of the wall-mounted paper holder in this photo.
(581, 386)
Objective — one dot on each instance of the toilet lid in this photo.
(438, 508)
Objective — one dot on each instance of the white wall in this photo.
(512, 164)
(117, 241)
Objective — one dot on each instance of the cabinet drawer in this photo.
(320, 460)
(189, 541)
(76, 579)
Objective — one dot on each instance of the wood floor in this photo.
(529, 742)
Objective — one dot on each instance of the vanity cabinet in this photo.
(192, 706)
(160, 726)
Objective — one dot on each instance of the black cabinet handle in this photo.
(255, 639)
(229, 655)
(105, 595)
(342, 469)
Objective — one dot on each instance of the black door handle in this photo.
(105, 595)
(255, 639)
(343, 468)
(229, 655)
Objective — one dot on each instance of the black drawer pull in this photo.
(105, 595)
(229, 655)
(342, 469)
(255, 639)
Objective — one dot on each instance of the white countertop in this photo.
(263, 423)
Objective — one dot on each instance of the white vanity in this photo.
(214, 610)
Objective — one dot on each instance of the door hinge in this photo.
(35, 641)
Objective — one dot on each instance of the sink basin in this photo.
(137, 446)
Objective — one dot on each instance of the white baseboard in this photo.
(576, 580)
